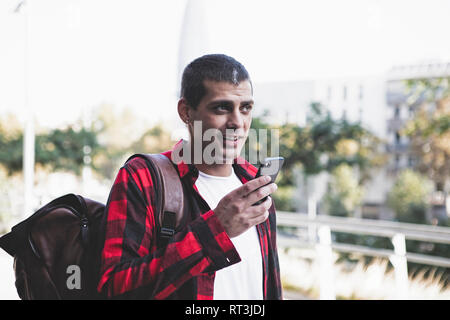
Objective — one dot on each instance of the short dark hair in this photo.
(215, 67)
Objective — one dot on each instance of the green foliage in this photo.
(155, 140)
(58, 149)
(428, 89)
(344, 194)
(5, 203)
(284, 197)
(429, 129)
(11, 152)
(408, 197)
(62, 149)
(11, 144)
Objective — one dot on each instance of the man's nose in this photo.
(235, 120)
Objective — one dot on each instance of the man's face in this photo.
(227, 108)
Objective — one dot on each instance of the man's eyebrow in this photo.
(217, 102)
(251, 101)
(229, 102)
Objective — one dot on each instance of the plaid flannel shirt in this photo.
(134, 267)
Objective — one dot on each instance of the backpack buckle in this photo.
(84, 224)
(167, 232)
(168, 224)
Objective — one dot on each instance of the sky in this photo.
(83, 53)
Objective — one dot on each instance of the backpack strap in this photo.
(171, 212)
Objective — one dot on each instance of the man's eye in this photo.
(221, 108)
(247, 108)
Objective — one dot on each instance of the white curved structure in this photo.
(193, 36)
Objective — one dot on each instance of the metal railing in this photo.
(316, 232)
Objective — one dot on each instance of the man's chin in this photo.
(222, 154)
(230, 154)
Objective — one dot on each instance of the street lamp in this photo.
(28, 139)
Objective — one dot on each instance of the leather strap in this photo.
(172, 192)
(171, 184)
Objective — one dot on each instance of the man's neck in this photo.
(223, 169)
(220, 170)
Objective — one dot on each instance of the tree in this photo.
(57, 149)
(65, 149)
(11, 144)
(155, 140)
(429, 130)
(5, 201)
(344, 193)
(409, 197)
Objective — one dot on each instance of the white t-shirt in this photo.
(242, 280)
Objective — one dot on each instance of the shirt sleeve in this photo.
(130, 267)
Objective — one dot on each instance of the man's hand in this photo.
(235, 210)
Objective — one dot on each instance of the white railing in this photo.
(316, 231)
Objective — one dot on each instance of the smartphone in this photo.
(269, 167)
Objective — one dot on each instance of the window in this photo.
(397, 161)
(344, 93)
(411, 111)
(397, 137)
(397, 112)
(361, 92)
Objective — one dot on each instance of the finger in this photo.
(260, 193)
(244, 190)
(259, 219)
(258, 210)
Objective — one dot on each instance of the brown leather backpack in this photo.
(57, 250)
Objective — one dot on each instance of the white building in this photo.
(357, 99)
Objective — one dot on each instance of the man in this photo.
(227, 249)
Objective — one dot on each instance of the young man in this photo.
(227, 248)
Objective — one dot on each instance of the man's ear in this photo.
(184, 111)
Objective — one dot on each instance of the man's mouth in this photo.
(232, 141)
(232, 138)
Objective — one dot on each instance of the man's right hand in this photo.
(235, 210)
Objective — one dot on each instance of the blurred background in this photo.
(358, 92)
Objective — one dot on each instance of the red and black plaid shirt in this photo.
(134, 266)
